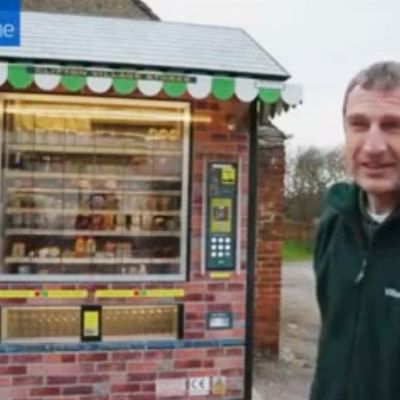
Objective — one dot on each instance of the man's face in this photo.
(372, 127)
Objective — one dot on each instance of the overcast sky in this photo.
(322, 43)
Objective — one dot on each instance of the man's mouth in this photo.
(374, 169)
(374, 166)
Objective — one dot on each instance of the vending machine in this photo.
(128, 201)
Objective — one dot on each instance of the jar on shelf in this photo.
(159, 223)
(80, 247)
(109, 222)
(146, 222)
(97, 222)
(90, 247)
(109, 248)
(18, 250)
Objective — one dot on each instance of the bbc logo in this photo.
(10, 22)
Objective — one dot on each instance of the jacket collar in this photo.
(348, 199)
(344, 198)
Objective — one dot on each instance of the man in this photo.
(357, 255)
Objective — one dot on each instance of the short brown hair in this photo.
(381, 76)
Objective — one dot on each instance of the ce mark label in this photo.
(199, 386)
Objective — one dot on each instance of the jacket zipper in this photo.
(361, 274)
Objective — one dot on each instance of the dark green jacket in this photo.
(358, 291)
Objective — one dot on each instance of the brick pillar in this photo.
(271, 170)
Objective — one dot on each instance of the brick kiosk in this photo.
(128, 198)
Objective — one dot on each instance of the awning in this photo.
(21, 76)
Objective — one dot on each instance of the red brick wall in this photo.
(270, 234)
(118, 375)
(114, 374)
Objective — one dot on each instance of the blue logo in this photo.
(10, 22)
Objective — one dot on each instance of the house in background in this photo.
(135, 9)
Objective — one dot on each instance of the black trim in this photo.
(181, 321)
(146, 9)
(251, 251)
(189, 194)
(91, 338)
(146, 67)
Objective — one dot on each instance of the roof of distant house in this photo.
(146, 9)
(50, 37)
(135, 9)
(270, 135)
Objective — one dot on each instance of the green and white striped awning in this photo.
(21, 76)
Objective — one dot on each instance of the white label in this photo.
(199, 386)
(170, 387)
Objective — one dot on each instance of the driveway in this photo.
(290, 378)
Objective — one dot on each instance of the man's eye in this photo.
(391, 126)
(358, 124)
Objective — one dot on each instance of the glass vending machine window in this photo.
(94, 188)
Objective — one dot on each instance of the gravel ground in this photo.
(290, 377)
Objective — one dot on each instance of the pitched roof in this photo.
(142, 44)
(146, 9)
(270, 135)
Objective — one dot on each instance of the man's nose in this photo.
(375, 142)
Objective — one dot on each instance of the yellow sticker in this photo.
(65, 294)
(218, 386)
(163, 293)
(228, 175)
(220, 275)
(140, 293)
(91, 323)
(18, 294)
(116, 293)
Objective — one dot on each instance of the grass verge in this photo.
(297, 251)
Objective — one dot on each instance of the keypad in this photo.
(221, 249)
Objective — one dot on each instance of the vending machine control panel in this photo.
(221, 218)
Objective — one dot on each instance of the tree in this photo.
(309, 172)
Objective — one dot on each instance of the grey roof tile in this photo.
(142, 44)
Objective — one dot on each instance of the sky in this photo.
(322, 43)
